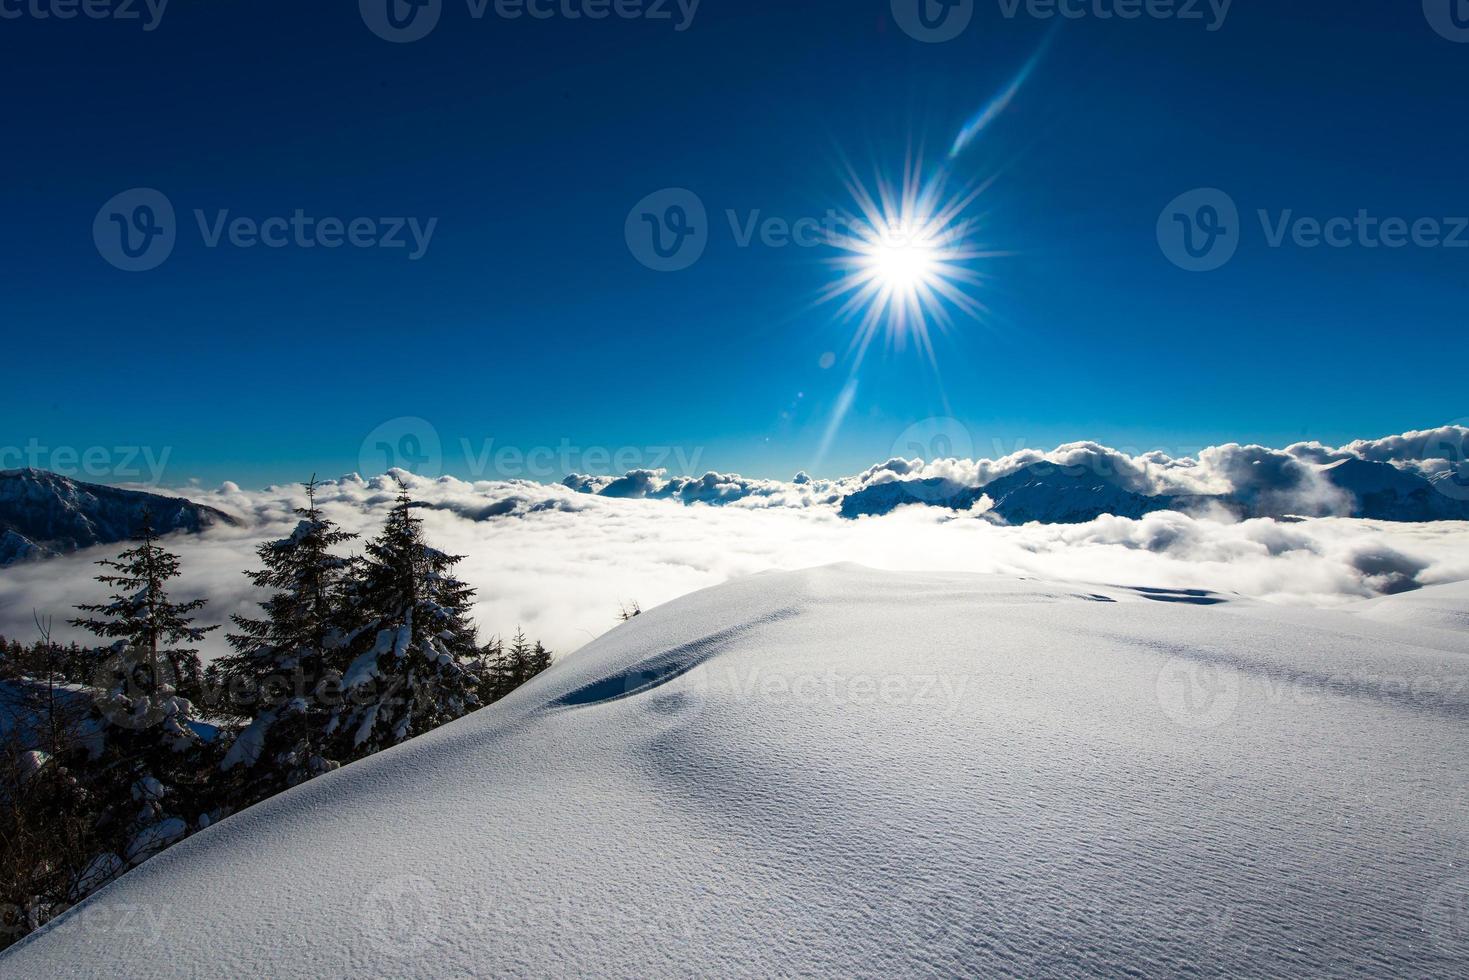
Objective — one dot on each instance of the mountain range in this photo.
(43, 514)
(1050, 494)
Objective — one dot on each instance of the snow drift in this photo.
(847, 772)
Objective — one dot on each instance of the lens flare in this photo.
(996, 106)
(907, 263)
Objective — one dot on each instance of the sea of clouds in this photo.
(560, 560)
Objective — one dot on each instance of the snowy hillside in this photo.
(844, 772)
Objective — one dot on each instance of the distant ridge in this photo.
(1051, 494)
(43, 514)
(1416, 476)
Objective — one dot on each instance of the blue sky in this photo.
(529, 321)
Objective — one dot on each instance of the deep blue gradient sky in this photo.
(528, 320)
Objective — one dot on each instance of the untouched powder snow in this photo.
(1446, 607)
(844, 772)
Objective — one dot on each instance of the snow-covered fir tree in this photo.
(148, 672)
(415, 665)
(286, 668)
(149, 742)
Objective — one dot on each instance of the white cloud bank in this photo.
(559, 562)
(1292, 475)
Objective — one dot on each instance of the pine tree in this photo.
(286, 665)
(148, 675)
(150, 764)
(416, 664)
(539, 660)
(508, 668)
(491, 666)
(516, 659)
(525, 660)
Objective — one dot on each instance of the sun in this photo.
(906, 262)
(902, 263)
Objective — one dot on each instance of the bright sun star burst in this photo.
(907, 259)
(902, 265)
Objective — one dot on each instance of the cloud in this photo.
(559, 562)
(1285, 481)
(1386, 570)
(1430, 451)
